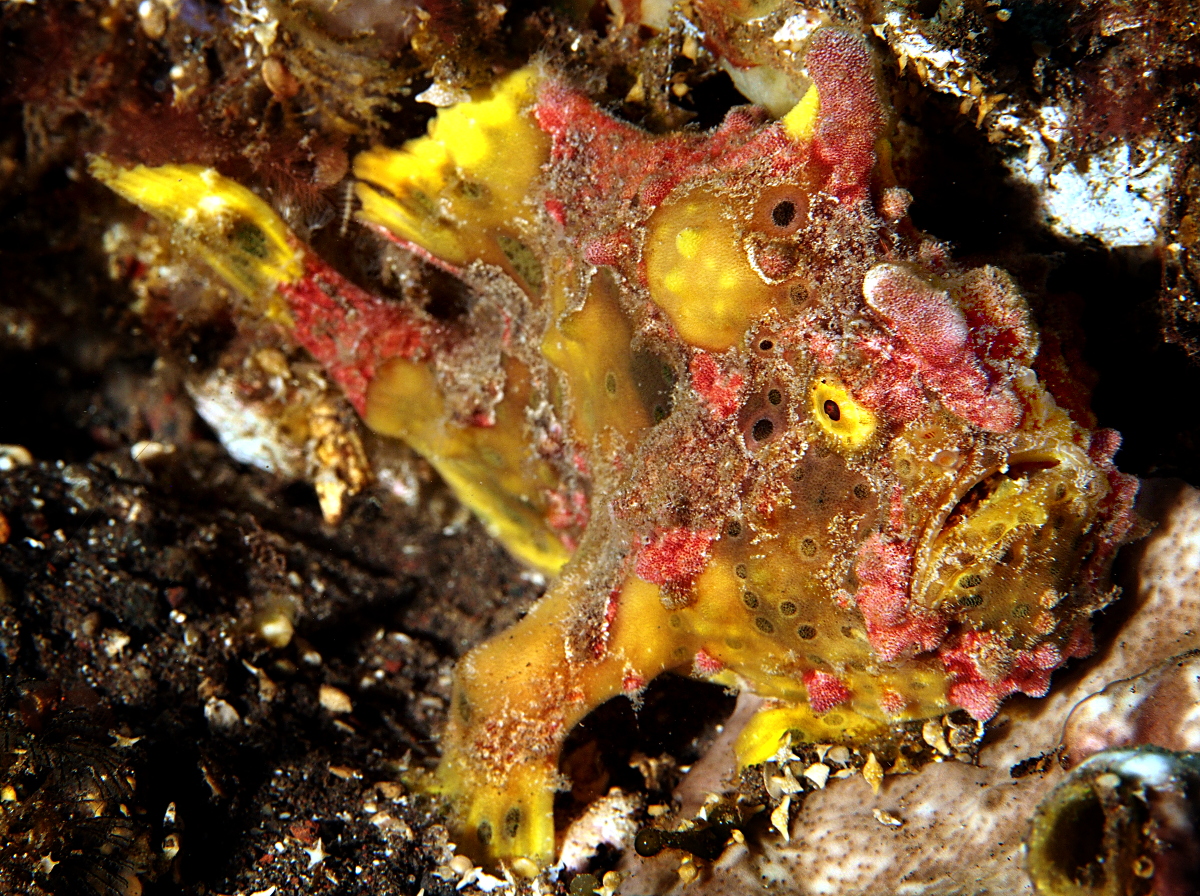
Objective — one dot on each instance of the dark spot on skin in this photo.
(464, 709)
(512, 821)
(797, 475)
(740, 570)
(1021, 611)
(831, 409)
(775, 396)
(847, 632)
(473, 191)
(971, 600)
(764, 625)
(780, 211)
(763, 430)
(734, 529)
(861, 491)
(610, 383)
(760, 421)
(250, 239)
(750, 599)
(808, 547)
(484, 832)
(787, 608)
(974, 580)
(807, 632)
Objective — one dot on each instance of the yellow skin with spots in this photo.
(704, 250)
(485, 466)
(217, 213)
(723, 440)
(475, 165)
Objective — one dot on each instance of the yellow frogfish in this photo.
(758, 428)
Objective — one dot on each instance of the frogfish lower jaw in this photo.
(989, 515)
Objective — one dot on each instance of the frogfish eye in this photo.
(850, 424)
(783, 213)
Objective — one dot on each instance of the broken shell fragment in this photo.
(1124, 823)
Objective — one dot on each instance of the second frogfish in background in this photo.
(760, 429)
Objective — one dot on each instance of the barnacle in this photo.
(759, 438)
(1123, 822)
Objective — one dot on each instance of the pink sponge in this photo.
(933, 333)
(839, 63)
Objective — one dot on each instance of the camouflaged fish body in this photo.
(760, 430)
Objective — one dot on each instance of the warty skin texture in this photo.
(761, 430)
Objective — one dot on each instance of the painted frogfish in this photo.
(756, 426)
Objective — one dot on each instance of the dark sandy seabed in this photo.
(151, 740)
